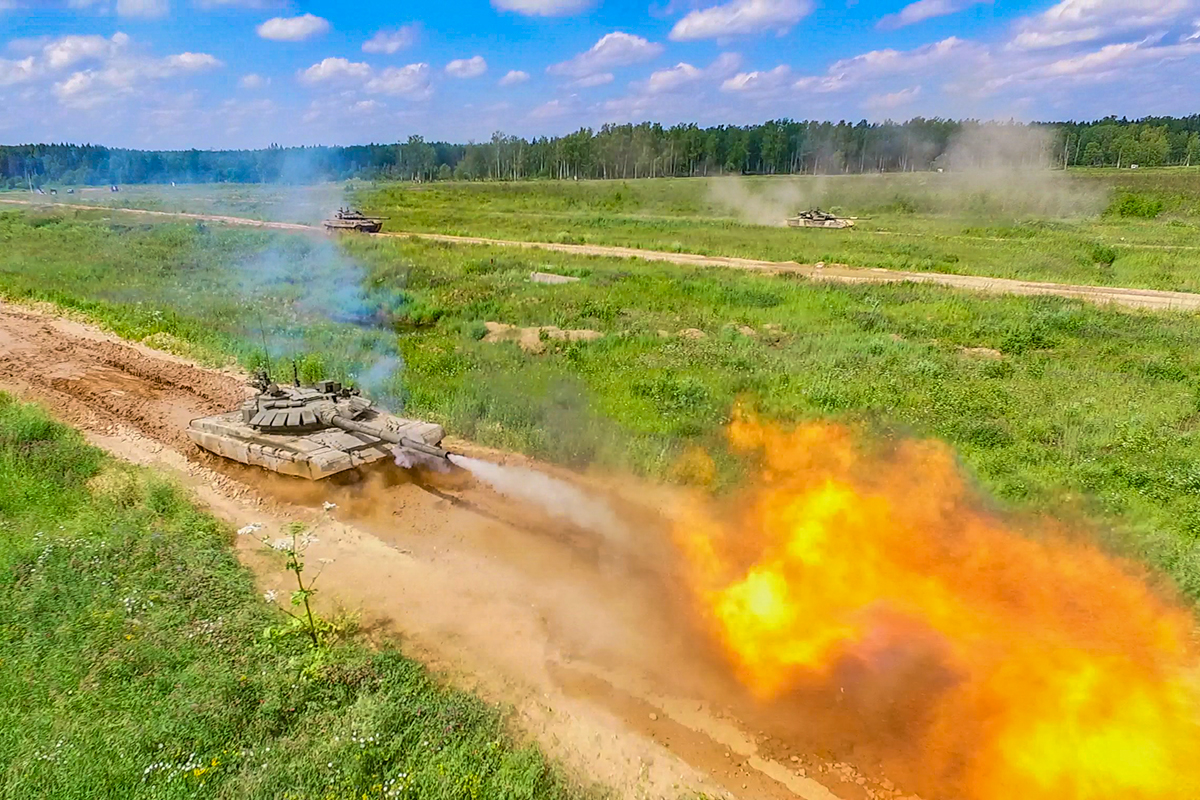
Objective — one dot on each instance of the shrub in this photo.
(1133, 204)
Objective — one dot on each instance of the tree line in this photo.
(781, 146)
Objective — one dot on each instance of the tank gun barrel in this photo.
(338, 421)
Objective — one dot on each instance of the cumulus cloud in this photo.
(758, 82)
(513, 77)
(551, 110)
(334, 69)
(143, 8)
(1077, 21)
(12, 72)
(683, 75)
(411, 82)
(391, 41)
(542, 8)
(192, 62)
(615, 49)
(253, 81)
(69, 50)
(741, 17)
(926, 9)
(293, 29)
(467, 67)
(891, 100)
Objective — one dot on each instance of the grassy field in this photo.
(1103, 227)
(133, 660)
(1087, 413)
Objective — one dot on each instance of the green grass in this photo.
(1083, 412)
(1038, 226)
(133, 661)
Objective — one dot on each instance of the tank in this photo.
(315, 431)
(349, 220)
(816, 218)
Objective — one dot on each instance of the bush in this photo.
(1103, 254)
(1133, 204)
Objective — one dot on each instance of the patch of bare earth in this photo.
(533, 340)
(583, 634)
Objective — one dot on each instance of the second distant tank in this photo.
(816, 218)
(347, 219)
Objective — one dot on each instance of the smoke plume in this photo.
(556, 498)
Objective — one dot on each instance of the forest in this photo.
(781, 146)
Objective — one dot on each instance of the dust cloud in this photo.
(770, 205)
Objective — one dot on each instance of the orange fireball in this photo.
(1048, 670)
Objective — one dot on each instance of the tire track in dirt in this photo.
(577, 635)
(1150, 299)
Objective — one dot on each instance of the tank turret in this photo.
(315, 431)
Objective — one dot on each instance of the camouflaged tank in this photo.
(347, 220)
(816, 218)
(315, 431)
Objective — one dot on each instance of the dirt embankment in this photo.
(1153, 299)
(583, 635)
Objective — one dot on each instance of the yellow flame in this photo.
(1065, 676)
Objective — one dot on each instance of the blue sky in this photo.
(246, 73)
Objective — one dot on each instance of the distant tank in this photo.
(816, 218)
(315, 431)
(348, 220)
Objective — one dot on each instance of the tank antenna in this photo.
(295, 374)
(266, 352)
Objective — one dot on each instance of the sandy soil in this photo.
(581, 634)
(839, 273)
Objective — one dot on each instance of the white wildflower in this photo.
(270, 596)
(328, 506)
(282, 544)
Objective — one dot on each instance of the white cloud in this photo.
(740, 17)
(254, 81)
(391, 41)
(192, 62)
(142, 8)
(467, 67)
(69, 50)
(335, 69)
(207, 4)
(366, 106)
(411, 81)
(551, 110)
(293, 29)
(588, 81)
(1076, 21)
(615, 49)
(79, 91)
(513, 77)
(683, 74)
(884, 63)
(12, 72)
(759, 82)
(542, 8)
(668, 80)
(926, 9)
(892, 100)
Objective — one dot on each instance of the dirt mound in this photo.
(533, 340)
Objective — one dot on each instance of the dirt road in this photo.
(582, 634)
(840, 273)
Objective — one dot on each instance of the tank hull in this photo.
(355, 226)
(312, 455)
(836, 224)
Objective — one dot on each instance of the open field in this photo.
(135, 662)
(1082, 227)
(1051, 404)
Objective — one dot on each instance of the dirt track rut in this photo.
(582, 637)
(1153, 299)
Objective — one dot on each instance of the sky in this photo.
(249, 73)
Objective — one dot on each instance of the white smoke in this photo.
(555, 497)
